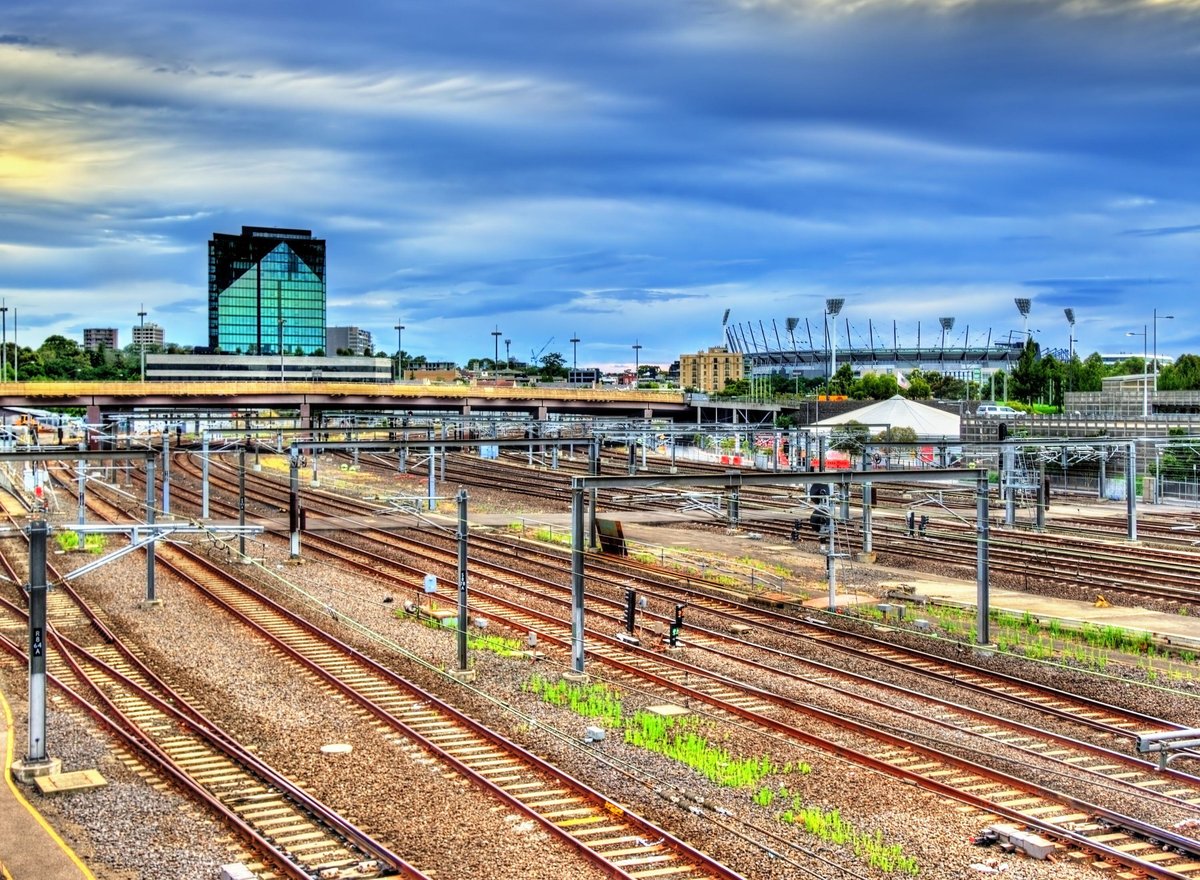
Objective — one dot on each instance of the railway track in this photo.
(622, 843)
(751, 703)
(1136, 837)
(288, 833)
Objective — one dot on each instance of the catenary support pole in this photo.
(1131, 489)
(38, 531)
(830, 559)
(166, 489)
(150, 591)
(242, 501)
(431, 483)
(577, 580)
(866, 516)
(1041, 499)
(204, 475)
(1006, 486)
(294, 502)
(461, 499)
(81, 471)
(983, 637)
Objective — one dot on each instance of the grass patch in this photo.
(686, 739)
(830, 827)
(68, 541)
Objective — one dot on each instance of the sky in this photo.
(616, 171)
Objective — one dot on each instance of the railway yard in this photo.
(307, 717)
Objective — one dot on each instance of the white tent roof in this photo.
(900, 412)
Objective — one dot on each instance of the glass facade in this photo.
(266, 291)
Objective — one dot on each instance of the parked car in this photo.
(996, 411)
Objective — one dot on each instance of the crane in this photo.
(534, 357)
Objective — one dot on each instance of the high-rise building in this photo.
(95, 337)
(149, 334)
(352, 339)
(266, 291)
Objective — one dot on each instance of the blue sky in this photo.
(616, 170)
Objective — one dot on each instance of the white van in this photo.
(996, 411)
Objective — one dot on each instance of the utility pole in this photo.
(399, 328)
(142, 338)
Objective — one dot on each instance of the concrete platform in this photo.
(29, 848)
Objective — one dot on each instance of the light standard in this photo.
(496, 334)
(574, 351)
(1070, 313)
(947, 324)
(1023, 306)
(399, 328)
(1145, 370)
(4, 339)
(833, 308)
(637, 348)
(142, 338)
(1157, 318)
(507, 354)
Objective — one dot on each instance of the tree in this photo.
(918, 388)
(1183, 375)
(1028, 380)
(554, 366)
(843, 379)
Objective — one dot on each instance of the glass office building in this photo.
(266, 292)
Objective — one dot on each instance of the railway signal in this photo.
(676, 627)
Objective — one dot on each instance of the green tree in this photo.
(1027, 383)
(554, 366)
(918, 387)
(1183, 375)
(843, 380)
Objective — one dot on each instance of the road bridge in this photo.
(314, 400)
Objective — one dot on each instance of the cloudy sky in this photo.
(617, 170)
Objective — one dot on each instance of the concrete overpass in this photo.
(313, 400)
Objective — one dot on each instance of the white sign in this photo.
(431, 583)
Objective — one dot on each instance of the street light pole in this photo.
(496, 334)
(1145, 369)
(574, 351)
(3, 340)
(399, 328)
(637, 348)
(142, 338)
(1157, 318)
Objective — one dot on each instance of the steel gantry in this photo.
(732, 482)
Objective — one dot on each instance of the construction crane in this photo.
(535, 357)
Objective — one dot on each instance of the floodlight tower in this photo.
(947, 324)
(1023, 304)
(637, 350)
(1070, 313)
(496, 334)
(833, 308)
(724, 321)
(574, 340)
